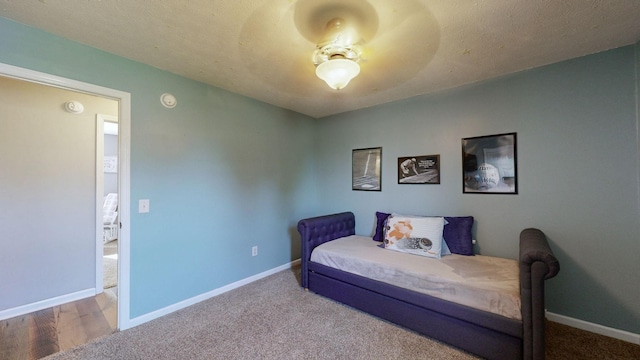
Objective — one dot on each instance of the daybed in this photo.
(480, 332)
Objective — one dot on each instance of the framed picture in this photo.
(423, 169)
(366, 169)
(110, 164)
(490, 165)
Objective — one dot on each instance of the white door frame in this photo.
(124, 181)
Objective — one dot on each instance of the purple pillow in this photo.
(457, 234)
(381, 219)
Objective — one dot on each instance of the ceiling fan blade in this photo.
(288, 67)
(395, 55)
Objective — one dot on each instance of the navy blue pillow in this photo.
(457, 234)
(381, 219)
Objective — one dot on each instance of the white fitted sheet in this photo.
(481, 282)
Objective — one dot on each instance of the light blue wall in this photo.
(223, 172)
(577, 162)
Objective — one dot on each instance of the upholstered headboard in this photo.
(318, 230)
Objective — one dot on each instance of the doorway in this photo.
(107, 194)
(30, 300)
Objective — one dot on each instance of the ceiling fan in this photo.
(383, 44)
(339, 29)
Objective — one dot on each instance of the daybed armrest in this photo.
(318, 230)
(537, 263)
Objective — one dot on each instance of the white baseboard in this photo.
(196, 299)
(595, 328)
(45, 304)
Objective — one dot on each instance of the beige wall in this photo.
(47, 192)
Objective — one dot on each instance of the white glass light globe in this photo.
(338, 72)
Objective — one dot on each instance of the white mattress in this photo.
(481, 282)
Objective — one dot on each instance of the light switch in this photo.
(143, 206)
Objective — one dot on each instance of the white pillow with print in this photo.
(415, 235)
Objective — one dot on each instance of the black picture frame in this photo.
(490, 164)
(422, 169)
(366, 169)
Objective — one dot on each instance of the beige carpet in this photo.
(568, 343)
(111, 247)
(110, 265)
(274, 318)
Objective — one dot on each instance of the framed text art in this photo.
(366, 169)
(110, 164)
(489, 164)
(424, 169)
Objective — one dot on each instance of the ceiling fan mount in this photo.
(312, 18)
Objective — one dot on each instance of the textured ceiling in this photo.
(263, 48)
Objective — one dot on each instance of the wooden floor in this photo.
(44, 332)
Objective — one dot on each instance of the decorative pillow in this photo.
(381, 219)
(415, 235)
(457, 234)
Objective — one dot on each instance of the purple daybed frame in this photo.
(485, 334)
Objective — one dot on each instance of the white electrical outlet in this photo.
(254, 251)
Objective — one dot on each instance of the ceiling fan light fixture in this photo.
(337, 72)
(337, 55)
